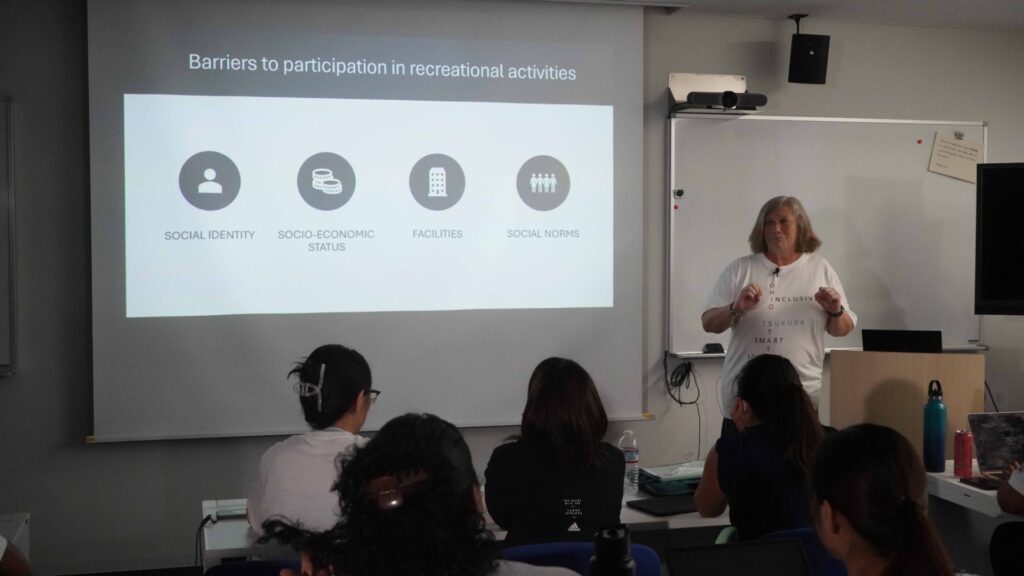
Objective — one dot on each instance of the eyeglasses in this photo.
(373, 394)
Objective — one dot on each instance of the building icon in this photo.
(438, 183)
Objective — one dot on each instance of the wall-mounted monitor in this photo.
(998, 275)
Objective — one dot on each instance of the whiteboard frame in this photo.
(670, 196)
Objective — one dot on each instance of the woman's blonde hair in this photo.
(806, 240)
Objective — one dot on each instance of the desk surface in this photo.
(14, 528)
(233, 538)
(948, 487)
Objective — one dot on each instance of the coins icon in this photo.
(326, 181)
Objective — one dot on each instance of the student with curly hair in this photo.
(410, 504)
(296, 474)
(557, 481)
(869, 487)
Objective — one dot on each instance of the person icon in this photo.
(554, 184)
(209, 184)
(534, 181)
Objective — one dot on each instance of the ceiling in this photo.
(986, 14)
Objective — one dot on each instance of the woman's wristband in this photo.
(736, 314)
(842, 309)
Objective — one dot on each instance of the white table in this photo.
(14, 528)
(946, 486)
(232, 538)
(965, 517)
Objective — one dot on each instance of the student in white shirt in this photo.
(1004, 549)
(412, 505)
(296, 475)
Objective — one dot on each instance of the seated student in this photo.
(296, 475)
(558, 480)
(410, 505)
(1007, 537)
(869, 489)
(12, 561)
(762, 472)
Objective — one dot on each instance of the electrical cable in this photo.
(684, 376)
(991, 396)
(208, 519)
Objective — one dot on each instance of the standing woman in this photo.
(869, 488)
(296, 474)
(763, 472)
(558, 479)
(780, 299)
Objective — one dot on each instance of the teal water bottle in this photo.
(935, 429)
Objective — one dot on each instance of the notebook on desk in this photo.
(998, 441)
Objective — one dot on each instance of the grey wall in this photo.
(136, 505)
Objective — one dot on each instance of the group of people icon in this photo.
(543, 183)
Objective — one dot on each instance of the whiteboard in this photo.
(901, 238)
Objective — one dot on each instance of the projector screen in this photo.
(452, 188)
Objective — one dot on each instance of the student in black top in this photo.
(762, 472)
(557, 481)
(869, 489)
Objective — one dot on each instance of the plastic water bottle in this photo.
(631, 452)
(935, 429)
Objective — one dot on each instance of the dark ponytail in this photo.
(772, 387)
(874, 478)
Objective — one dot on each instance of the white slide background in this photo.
(268, 139)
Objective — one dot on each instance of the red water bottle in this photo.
(963, 454)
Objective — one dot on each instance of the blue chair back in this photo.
(820, 561)
(576, 556)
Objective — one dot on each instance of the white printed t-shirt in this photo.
(296, 476)
(787, 321)
(1016, 480)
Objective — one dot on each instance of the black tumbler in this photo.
(611, 552)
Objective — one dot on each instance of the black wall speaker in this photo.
(808, 59)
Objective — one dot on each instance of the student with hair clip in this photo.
(410, 505)
(296, 475)
(869, 488)
(557, 480)
(762, 473)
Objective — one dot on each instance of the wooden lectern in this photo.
(891, 388)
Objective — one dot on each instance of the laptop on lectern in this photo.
(901, 340)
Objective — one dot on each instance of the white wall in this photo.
(875, 71)
(136, 505)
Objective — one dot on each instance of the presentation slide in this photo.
(395, 204)
(451, 187)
